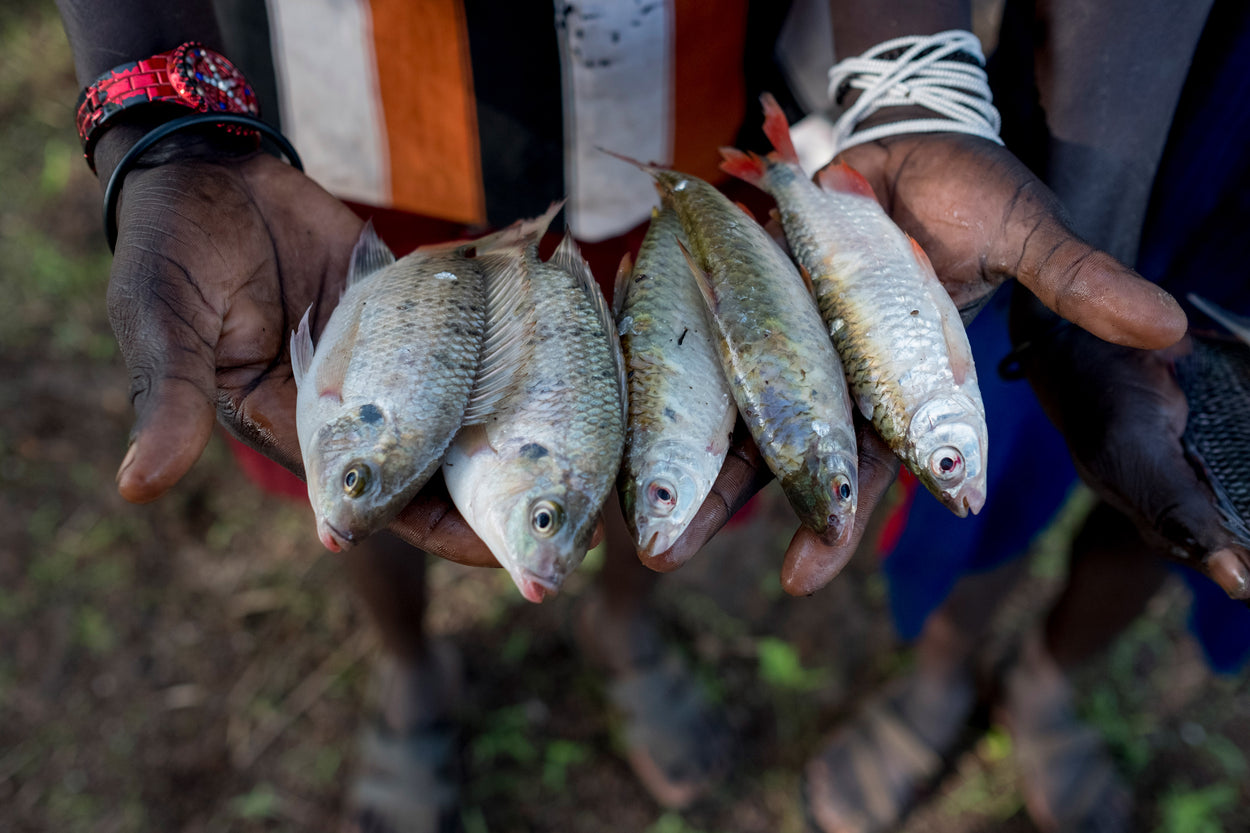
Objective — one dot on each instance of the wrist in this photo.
(207, 142)
(914, 84)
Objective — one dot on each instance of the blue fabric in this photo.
(1029, 474)
(1192, 241)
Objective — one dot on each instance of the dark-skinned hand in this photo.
(217, 258)
(982, 218)
(1122, 414)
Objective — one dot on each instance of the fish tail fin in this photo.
(777, 129)
(749, 167)
(839, 176)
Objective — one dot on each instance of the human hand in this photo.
(982, 218)
(217, 259)
(1122, 414)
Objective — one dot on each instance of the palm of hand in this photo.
(215, 264)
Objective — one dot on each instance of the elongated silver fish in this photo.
(906, 353)
(681, 413)
(384, 391)
(777, 358)
(532, 468)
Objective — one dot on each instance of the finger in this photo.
(1230, 569)
(431, 523)
(1086, 286)
(743, 474)
(811, 564)
(167, 336)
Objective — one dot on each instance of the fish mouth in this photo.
(837, 530)
(660, 541)
(334, 539)
(966, 501)
(536, 588)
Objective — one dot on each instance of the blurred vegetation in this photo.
(197, 664)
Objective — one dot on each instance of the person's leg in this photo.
(678, 743)
(1069, 779)
(877, 765)
(407, 779)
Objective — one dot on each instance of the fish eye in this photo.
(842, 487)
(545, 518)
(356, 479)
(946, 463)
(662, 496)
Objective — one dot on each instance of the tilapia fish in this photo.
(1215, 378)
(906, 353)
(777, 358)
(533, 466)
(681, 414)
(384, 391)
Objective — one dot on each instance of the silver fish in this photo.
(777, 358)
(681, 414)
(897, 330)
(385, 389)
(532, 468)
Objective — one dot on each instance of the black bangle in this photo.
(112, 191)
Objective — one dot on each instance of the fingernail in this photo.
(126, 462)
(1230, 573)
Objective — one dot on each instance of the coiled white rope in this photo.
(924, 74)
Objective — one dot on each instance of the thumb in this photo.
(1086, 286)
(168, 339)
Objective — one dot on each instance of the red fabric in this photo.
(896, 521)
(265, 473)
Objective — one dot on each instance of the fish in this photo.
(681, 413)
(545, 428)
(1215, 378)
(906, 353)
(785, 376)
(384, 390)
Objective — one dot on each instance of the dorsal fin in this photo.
(621, 287)
(569, 258)
(956, 337)
(807, 280)
(509, 332)
(370, 255)
(301, 349)
(777, 129)
(520, 234)
(1238, 325)
(700, 278)
(839, 176)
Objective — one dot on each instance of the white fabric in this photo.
(328, 89)
(922, 75)
(616, 68)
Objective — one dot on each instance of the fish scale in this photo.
(681, 413)
(906, 354)
(532, 478)
(777, 358)
(384, 391)
(1215, 378)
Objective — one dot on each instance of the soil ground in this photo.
(197, 664)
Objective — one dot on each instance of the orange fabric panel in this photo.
(426, 85)
(709, 85)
